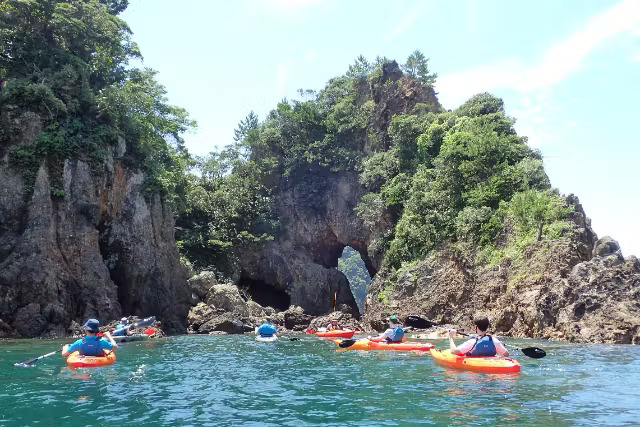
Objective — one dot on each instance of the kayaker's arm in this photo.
(500, 348)
(65, 353)
(110, 338)
(452, 345)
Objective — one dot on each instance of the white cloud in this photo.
(406, 22)
(558, 63)
(634, 57)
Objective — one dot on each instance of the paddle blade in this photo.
(310, 331)
(149, 332)
(418, 322)
(144, 322)
(535, 352)
(26, 364)
(31, 362)
(294, 339)
(346, 343)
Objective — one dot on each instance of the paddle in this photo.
(31, 362)
(142, 323)
(533, 352)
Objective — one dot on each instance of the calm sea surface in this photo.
(234, 380)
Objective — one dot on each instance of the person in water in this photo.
(334, 326)
(121, 328)
(482, 345)
(394, 334)
(91, 345)
(266, 330)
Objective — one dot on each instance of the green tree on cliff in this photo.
(67, 61)
(417, 67)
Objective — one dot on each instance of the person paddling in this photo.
(266, 330)
(483, 345)
(334, 326)
(121, 328)
(91, 345)
(395, 333)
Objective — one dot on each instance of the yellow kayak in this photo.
(365, 344)
(494, 365)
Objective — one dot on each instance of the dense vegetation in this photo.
(351, 264)
(458, 176)
(462, 177)
(67, 62)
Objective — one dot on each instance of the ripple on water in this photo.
(237, 381)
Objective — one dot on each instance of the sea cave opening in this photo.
(351, 265)
(264, 294)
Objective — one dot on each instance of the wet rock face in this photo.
(317, 208)
(295, 319)
(563, 293)
(93, 248)
(202, 283)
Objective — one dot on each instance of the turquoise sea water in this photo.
(225, 381)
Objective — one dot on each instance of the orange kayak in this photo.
(491, 365)
(335, 334)
(75, 360)
(366, 345)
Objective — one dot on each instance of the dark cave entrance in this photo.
(351, 265)
(264, 294)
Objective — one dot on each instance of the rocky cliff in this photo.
(316, 207)
(578, 289)
(89, 246)
(573, 287)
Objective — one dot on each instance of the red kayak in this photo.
(335, 334)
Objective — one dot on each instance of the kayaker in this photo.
(334, 326)
(91, 345)
(121, 328)
(482, 345)
(395, 333)
(266, 329)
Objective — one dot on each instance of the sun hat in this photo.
(393, 319)
(92, 325)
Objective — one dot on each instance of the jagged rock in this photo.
(94, 247)
(29, 320)
(225, 322)
(256, 310)
(227, 297)
(6, 331)
(202, 283)
(560, 293)
(606, 246)
(200, 314)
(295, 319)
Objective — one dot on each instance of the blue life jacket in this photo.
(398, 334)
(484, 346)
(91, 347)
(120, 330)
(267, 330)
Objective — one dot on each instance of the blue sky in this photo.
(567, 71)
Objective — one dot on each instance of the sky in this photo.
(567, 72)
